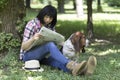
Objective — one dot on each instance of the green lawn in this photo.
(108, 67)
(106, 48)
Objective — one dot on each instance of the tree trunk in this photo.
(10, 14)
(27, 3)
(99, 7)
(79, 7)
(61, 6)
(74, 5)
(89, 21)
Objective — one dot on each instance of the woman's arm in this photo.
(25, 45)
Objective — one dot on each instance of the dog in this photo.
(74, 45)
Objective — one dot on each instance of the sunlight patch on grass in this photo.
(96, 16)
(102, 49)
(58, 25)
(71, 17)
(109, 51)
(118, 65)
(35, 78)
(115, 62)
(3, 77)
(105, 16)
(117, 29)
(1, 72)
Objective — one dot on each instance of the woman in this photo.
(48, 17)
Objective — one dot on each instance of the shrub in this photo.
(20, 27)
(113, 2)
(3, 3)
(8, 41)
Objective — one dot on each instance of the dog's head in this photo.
(79, 41)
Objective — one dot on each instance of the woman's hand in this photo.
(28, 43)
(37, 36)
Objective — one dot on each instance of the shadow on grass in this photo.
(108, 30)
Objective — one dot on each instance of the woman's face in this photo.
(47, 19)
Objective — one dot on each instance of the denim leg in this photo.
(56, 54)
(52, 62)
(40, 53)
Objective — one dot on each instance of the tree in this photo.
(89, 20)
(74, 5)
(10, 13)
(61, 6)
(99, 7)
(27, 3)
(79, 7)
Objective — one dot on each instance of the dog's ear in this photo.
(75, 41)
(72, 37)
(83, 50)
(82, 42)
(78, 41)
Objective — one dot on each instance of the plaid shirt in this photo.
(31, 28)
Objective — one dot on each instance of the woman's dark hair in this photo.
(49, 11)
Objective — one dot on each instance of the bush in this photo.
(8, 41)
(113, 3)
(20, 27)
(3, 3)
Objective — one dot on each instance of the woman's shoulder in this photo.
(32, 21)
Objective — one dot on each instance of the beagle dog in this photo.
(74, 45)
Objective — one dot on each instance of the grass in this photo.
(108, 67)
(107, 52)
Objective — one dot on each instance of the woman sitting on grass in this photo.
(48, 17)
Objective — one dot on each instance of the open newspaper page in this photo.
(48, 36)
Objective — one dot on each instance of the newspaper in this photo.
(48, 36)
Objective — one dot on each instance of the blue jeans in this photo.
(55, 59)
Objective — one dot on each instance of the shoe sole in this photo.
(91, 65)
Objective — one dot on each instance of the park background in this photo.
(105, 42)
